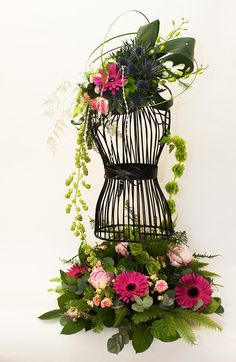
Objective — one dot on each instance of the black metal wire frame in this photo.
(131, 205)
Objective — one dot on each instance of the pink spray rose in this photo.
(96, 301)
(180, 255)
(73, 313)
(99, 104)
(122, 249)
(99, 278)
(161, 286)
(106, 303)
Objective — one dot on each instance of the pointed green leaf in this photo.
(142, 339)
(51, 314)
(73, 327)
(147, 34)
(212, 307)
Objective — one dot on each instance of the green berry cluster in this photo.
(172, 187)
(75, 180)
(89, 252)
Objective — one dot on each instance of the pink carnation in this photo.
(106, 303)
(161, 286)
(99, 278)
(122, 249)
(180, 255)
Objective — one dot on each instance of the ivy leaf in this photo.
(142, 339)
(51, 314)
(147, 34)
(73, 327)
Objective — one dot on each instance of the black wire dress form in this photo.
(131, 205)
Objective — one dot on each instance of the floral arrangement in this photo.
(153, 288)
(146, 290)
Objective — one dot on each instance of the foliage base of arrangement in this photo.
(149, 289)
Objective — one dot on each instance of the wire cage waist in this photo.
(131, 205)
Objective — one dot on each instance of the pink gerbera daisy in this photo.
(191, 289)
(77, 270)
(109, 79)
(128, 284)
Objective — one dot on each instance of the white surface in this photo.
(43, 43)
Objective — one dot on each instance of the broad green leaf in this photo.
(142, 339)
(179, 51)
(108, 267)
(82, 255)
(109, 260)
(73, 327)
(55, 313)
(81, 286)
(64, 320)
(67, 279)
(212, 307)
(64, 298)
(147, 34)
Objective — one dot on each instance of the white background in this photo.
(42, 44)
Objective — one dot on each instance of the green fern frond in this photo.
(196, 318)
(97, 324)
(152, 313)
(185, 331)
(120, 313)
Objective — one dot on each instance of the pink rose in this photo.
(180, 255)
(73, 313)
(121, 249)
(106, 303)
(99, 278)
(161, 286)
(99, 104)
(96, 301)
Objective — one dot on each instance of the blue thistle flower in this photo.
(138, 50)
